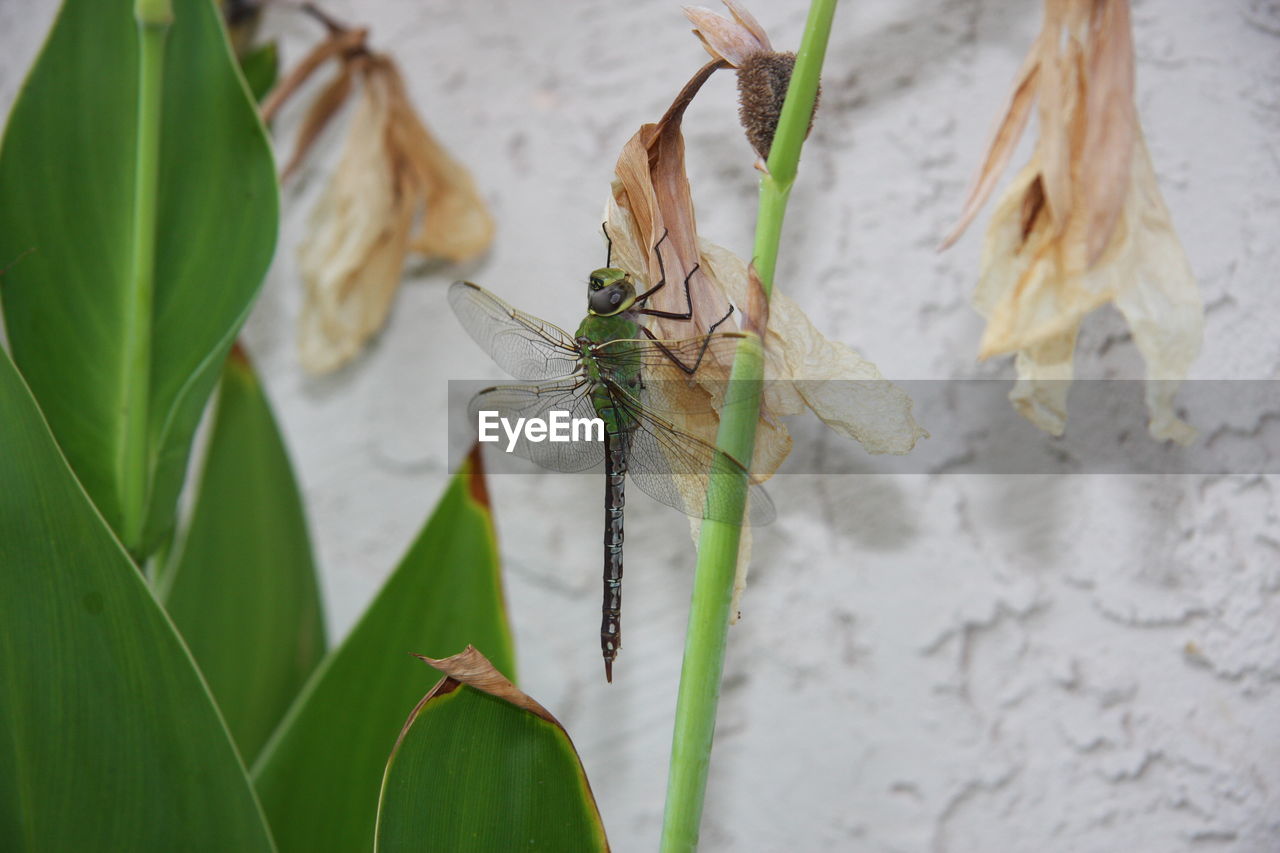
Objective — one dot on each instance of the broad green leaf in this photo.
(260, 67)
(319, 775)
(480, 766)
(243, 589)
(120, 338)
(109, 739)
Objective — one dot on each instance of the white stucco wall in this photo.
(933, 662)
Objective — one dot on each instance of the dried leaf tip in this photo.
(472, 668)
(763, 73)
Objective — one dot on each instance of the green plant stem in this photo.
(134, 469)
(718, 543)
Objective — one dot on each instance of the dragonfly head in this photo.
(610, 291)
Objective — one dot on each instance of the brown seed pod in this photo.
(763, 78)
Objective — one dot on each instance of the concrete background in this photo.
(934, 662)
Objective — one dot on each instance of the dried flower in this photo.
(651, 198)
(735, 41)
(1082, 224)
(763, 73)
(395, 189)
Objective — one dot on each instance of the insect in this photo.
(601, 372)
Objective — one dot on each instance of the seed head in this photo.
(763, 79)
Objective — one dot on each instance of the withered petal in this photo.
(1107, 150)
(1162, 305)
(1059, 117)
(1044, 378)
(456, 224)
(1003, 142)
(1029, 288)
(352, 258)
(337, 44)
(391, 172)
(319, 114)
(748, 21)
(652, 187)
(733, 40)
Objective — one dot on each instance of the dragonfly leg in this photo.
(706, 342)
(687, 313)
(662, 276)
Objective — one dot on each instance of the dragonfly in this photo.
(601, 372)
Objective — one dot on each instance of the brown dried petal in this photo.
(389, 171)
(1107, 150)
(1081, 70)
(651, 186)
(1059, 116)
(1029, 288)
(748, 22)
(1000, 149)
(1083, 224)
(337, 44)
(456, 224)
(1162, 305)
(319, 114)
(352, 258)
(734, 40)
(1035, 301)
(1044, 378)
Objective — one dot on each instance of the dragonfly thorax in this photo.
(610, 291)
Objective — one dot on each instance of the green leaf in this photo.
(480, 766)
(319, 775)
(260, 67)
(109, 740)
(243, 590)
(134, 164)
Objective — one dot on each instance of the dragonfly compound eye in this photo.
(617, 294)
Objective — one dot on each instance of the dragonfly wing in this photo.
(678, 469)
(523, 345)
(534, 400)
(667, 388)
(715, 348)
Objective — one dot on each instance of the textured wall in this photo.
(935, 662)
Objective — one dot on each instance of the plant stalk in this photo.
(718, 543)
(133, 451)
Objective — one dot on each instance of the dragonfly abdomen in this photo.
(615, 469)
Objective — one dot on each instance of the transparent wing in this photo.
(715, 349)
(676, 468)
(666, 388)
(521, 344)
(538, 401)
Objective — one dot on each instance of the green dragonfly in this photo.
(600, 372)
